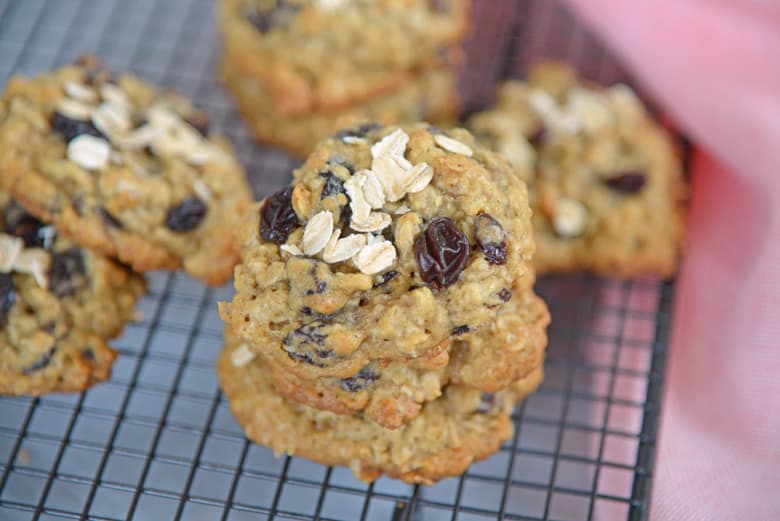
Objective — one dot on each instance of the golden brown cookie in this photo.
(122, 168)
(605, 181)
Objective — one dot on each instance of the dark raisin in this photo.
(539, 136)
(200, 122)
(277, 217)
(486, 403)
(365, 377)
(333, 185)
(64, 273)
(69, 128)
(265, 19)
(42, 362)
(108, 218)
(186, 215)
(306, 344)
(88, 354)
(460, 330)
(385, 278)
(627, 182)
(7, 296)
(21, 224)
(491, 238)
(319, 288)
(441, 252)
(338, 159)
(505, 295)
(359, 131)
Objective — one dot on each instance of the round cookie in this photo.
(449, 434)
(393, 393)
(390, 242)
(122, 168)
(604, 180)
(325, 55)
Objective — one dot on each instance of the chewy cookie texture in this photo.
(122, 168)
(462, 426)
(605, 182)
(384, 316)
(58, 302)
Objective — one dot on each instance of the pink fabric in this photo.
(714, 65)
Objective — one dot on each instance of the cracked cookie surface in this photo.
(122, 168)
(383, 249)
(450, 433)
(604, 179)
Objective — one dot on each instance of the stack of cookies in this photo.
(298, 69)
(101, 176)
(384, 315)
(605, 181)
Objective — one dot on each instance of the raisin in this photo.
(333, 185)
(319, 288)
(629, 182)
(108, 218)
(487, 403)
(21, 224)
(70, 128)
(277, 217)
(441, 252)
(306, 344)
(7, 296)
(280, 15)
(491, 238)
(65, 272)
(505, 295)
(460, 330)
(365, 377)
(359, 131)
(385, 278)
(42, 362)
(187, 215)
(200, 122)
(539, 136)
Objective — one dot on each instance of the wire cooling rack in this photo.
(157, 441)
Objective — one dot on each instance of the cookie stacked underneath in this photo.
(100, 176)
(384, 316)
(298, 68)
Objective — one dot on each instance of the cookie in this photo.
(605, 181)
(431, 96)
(122, 168)
(57, 304)
(450, 433)
(321, 55)
(390, 243)
(393, 393)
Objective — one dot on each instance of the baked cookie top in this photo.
(389, 242)
(325, 54)
(122, 168)
(604, 179)
(462, 426)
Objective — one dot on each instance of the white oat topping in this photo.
(341, 249)
(453, 145)
(291, 249)
(317, 232)
(79, 91)
(375, 257)
(31, 261)
(89, 152)
(569, 217)
(74, 109)
(242, 355)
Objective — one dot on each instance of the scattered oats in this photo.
(162, 117)
(417, 178)
(554, 118)
(376, 221)
(47, 235)
(200, 188)
(317, 232)
(625, 102)
(35, 262)
(203, 153)
(394, 144)
(354, 140)
(111, 119)
(589, 109)
(10, 248)
(116, 158)
(375, 257)
(74, 109)
(89, 152)
(390, 170)
(569, 217)
(138, 138)
(115, 95)
(357, 201)
(291, 249)
(372, 189)
(402, 210)
(81, 92)
(453, 145)
(520, 153)
(242, 355)
(339, 250)
(372, 239)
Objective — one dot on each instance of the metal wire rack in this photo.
(157, 441)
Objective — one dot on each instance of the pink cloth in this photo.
(714, 65)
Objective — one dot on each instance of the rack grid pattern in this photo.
(157, 441)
